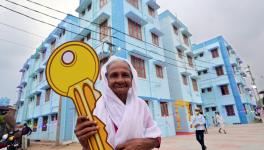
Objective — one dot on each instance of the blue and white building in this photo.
(222, 82)
(37, 104)
(134, 34)
(182, 75)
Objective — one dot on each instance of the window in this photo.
(43, 54)
(159, 71)
(151, 11)
(215, 53)
(239, 88)
(205, 71)
(83, 13)
(185, 39)
(103, 30)
(40, 76)
(230, 110)
(199, 73)
(38, 99)
(201, 55)
(47, 95)
(184, 80)
(206, 109)
(164, 109)
(175, 29)
(139, 65)
(133, 2)
(180, 53)
(203, 90)
(82, 39)
(224, 89)
(134, 29)
(45, 123)
(190, 61)
(102, 3)
(155, 39)
(89, 7)
(194, 83)
(52, 44)
(54, 117)
(35, 125)
(88, 36)
(245, 108)
(213, 108)
(209, 89)
(234, 68)
(219, 70)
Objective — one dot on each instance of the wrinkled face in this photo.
(119, 77)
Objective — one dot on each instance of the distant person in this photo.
(26, 131)
(214, 121)
(198, 121)
(220, 122)
(205, 125)
(262, 114)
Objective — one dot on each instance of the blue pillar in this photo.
(118, 22)
(233, 83)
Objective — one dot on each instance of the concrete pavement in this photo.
(238, 137)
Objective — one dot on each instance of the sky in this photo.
(239, 21)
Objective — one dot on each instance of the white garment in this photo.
(132, 119)
(200, 121)
(219, 121)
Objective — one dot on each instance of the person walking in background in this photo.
(206, 125)
(262, 114)
(198, 121)
(220, 122)
(214, 122)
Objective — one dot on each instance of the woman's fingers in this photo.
(84, 124)
(87, 135)
(86, 131)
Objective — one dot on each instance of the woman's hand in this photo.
(139, 144)
(85, 129)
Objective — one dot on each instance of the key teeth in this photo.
(97, 94)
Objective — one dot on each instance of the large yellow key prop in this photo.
(71, 71)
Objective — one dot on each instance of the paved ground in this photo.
(239, 137)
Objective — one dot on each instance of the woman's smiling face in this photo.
(119, 77)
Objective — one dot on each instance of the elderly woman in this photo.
(128, 120)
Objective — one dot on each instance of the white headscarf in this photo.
(132, 119)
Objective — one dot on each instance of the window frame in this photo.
(134, 29)
(164, 109)
(224, 90)
(159, 71)
(155, 39)
(139, 65)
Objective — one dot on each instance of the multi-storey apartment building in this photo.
(222, 82)
(37, 104)
(128, 29)
(182, 75)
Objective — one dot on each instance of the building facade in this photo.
(128, 29)
(222, 82)
(182, 75)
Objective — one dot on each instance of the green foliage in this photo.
(1, 119)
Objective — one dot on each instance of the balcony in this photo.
(156, 31)
(83, 5)
(153, 4)
(136, 17)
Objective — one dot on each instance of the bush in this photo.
(1, 119)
